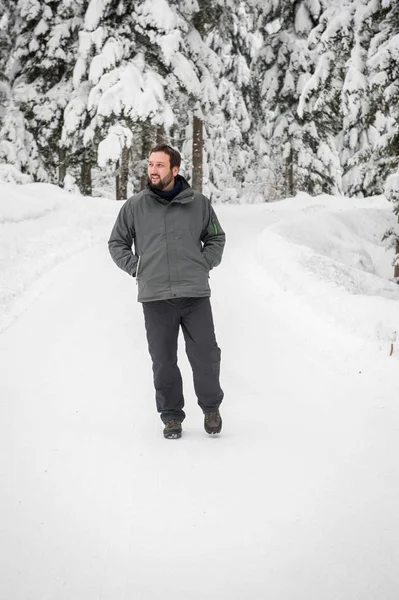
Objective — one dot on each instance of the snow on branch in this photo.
(110, 149)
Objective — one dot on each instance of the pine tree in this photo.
(5, 42)
(197, 103)
(128, 70)
(300, 141)
(338, 92)
(235, 168)
(392, 235)
(356, 142)
(5, 49)
(41, 82)
(220, 45)
(18, 152)
(383, 64)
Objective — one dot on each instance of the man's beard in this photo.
(161, 184)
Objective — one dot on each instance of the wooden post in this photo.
(197, 161)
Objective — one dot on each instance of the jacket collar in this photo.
(186, 195)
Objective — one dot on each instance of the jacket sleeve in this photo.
(121, 241)
(213, 237)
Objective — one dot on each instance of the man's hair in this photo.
(174, 155)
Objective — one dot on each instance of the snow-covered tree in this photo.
(383, 64)
(127, 74)
(302, 142)
(5, 43)
(19, 160)
(19, 156)
(41, 80)
(231, 156)
(18, 148)
(358, 133)
(338, 92)
(5, 49)
(392, 193)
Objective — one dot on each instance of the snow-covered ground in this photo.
(296, 500)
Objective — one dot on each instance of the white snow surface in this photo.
(295, 500)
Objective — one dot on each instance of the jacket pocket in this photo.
(205, 262)
(138, 267)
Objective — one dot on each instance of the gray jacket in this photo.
(176, 243)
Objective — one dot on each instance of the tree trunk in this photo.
(85, 177)
(290, 174)
(161, 136)
(396, 267)
(61, 166)
(124, 173)
(117, 181)
(196, 181)
(147, 145)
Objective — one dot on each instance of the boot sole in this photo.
(172, 436)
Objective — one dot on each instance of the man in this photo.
(177, 240)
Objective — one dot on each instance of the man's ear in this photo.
(175, 171)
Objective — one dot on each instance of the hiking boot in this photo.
(172, 429)
(213, 422)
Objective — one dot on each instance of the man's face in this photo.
(160, 175)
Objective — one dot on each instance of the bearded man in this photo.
(177, 240)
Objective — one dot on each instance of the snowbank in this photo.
(328, 253)
(325, 254)
(40, 226)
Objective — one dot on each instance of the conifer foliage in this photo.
(284, 95)
(301, 144)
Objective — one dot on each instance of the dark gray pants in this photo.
(163, 319)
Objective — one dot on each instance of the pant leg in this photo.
(162, 322)
(202, 351)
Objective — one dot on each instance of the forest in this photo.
(264, 98)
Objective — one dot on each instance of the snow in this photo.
(110, 56)
(41, 225)
(94, 13)
(110, 149)
(184, 71)
(330, 244)
(303, 23)
(130, 90)
(8, 173)
(157, 14)
(3, 22)
(30, 9)
(169, 44)
(296, 499)
(392, 185)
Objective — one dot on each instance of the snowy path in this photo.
(297, 499)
